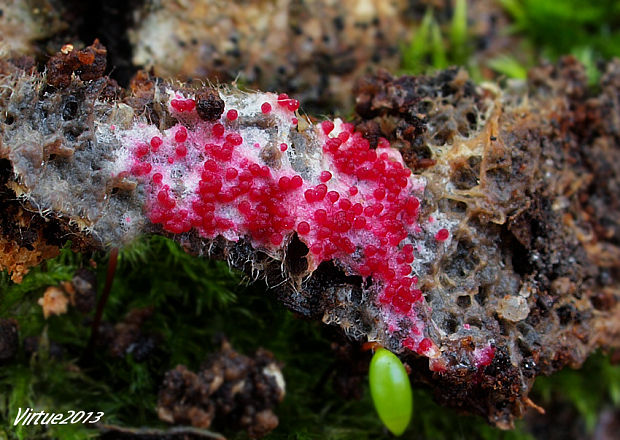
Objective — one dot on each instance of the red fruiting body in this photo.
(325, 176)
(442, 235)
(218, 130)
(327, 127)
(363, 212)
(181, 135)
(156, 143)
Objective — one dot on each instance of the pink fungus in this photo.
(181, 150)
(234, 139)
(283, 147)
(231, 115)
(181, 135)
(325, 176)
(296, 182)
(156, 142)
(218, 130)
(265, 107)
(303, 228)
(142, 150)
(231, 173)
(327, 127)
(442, 235)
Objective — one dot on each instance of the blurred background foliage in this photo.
(194, 299)
(537, 31)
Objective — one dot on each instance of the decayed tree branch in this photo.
(494, 261)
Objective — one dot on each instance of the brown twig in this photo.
(113, 260)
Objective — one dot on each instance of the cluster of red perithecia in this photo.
(349, 203)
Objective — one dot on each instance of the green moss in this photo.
(195, 299)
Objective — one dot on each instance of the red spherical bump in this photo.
(364, 270)
(353, 190)
(284, 183)
(296, 182)
(383, 143)
(142, 150)
(211, 165)
(181, 150)
(332, 144)
(357, 209)
(401, 305)
(359, 223)
(309, 195)
(283, 147)
(265, 107)
(181, 134)
(343, 136)
(234, 139)
(158, 178)
(189, 105)
(156, 142)
(231, 173)
(292, 104)
(345, 204)
(411, 205)
(404, 271)
(287, 223)
(170, 160)
(370, 250)
(231, 115)
(276, 239)
(333, 196)
(323, 232)
(320, 215)
(244, 207)
(157, 216)
(265, 171)
(424, 346)
(136, 169)
(246, 176)
(255, 169)
(320, 190)
(327, 127)
(294, 121)
(442, 235)
(379, 193)
(218, 130)
(348, 246)
(225, 196)
(177, 105)
(224, 153)
(325, 176)
(303, 228)
(316, 248)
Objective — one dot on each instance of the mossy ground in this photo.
(194, 300)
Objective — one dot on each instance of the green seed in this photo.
(390, 390)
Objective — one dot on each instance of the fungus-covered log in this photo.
(494, 261)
